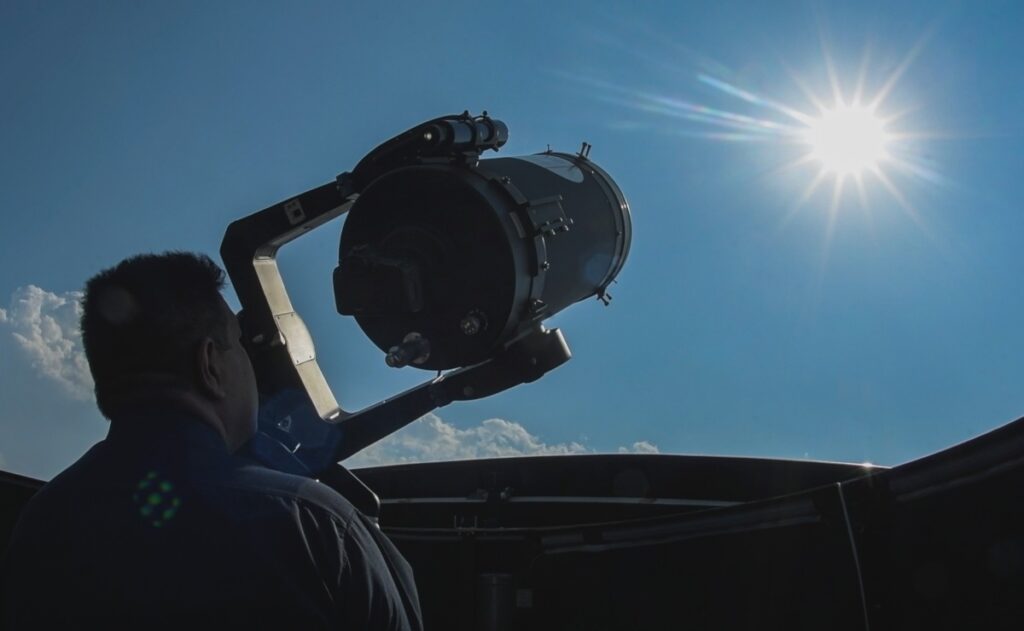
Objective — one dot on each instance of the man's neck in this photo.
(150, 391)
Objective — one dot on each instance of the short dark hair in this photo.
(145, 315)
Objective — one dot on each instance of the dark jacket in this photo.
(159, 526)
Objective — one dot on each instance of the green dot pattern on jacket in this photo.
(156, 500)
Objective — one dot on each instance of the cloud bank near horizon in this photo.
(430, 438)
(44, 328)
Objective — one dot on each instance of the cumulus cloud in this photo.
(45, 327)
(431, 439)
(640, 447)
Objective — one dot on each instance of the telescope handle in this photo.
(523, 361)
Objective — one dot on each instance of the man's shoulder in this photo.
(257, 480)
(99, 473)
(63, 488)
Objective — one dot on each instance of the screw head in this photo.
(470, 325)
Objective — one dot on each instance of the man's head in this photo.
(158, 322)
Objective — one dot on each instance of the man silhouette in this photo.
(166, 523)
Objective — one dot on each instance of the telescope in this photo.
(448, 262)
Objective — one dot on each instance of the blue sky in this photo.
(746, 322)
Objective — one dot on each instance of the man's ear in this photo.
(210, 370)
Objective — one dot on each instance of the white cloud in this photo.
(640, 447)
(45, 327)
(432, 439)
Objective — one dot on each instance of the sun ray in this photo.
(925, 135)
(862, 72)
(862, 194)
(833, 210)
(919, 171)
(807, 158)
(865, 207)
(795, 207)
(808, 93)
(706, 115)
(717, 115)
(830, 228)
(750, 97)
(894, 117)
(830, 69)
(901, 200)
(677, 109)
(898, 73)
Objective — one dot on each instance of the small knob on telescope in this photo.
(414, 349)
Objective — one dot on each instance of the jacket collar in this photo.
(159, 421)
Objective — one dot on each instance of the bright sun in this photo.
(852, 140)
(848, 140)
